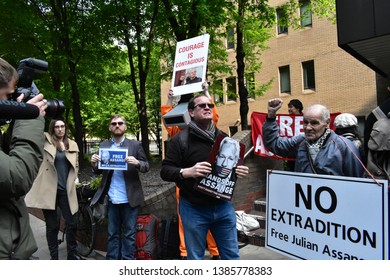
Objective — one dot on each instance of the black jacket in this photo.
(183, 156)
(133, 183)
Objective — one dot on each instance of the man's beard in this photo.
(119, 133)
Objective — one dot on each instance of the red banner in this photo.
(289, 126)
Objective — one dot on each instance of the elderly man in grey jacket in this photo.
(320, 150)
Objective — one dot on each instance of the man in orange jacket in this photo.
(172, 130)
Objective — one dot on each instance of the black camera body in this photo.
(27, 69)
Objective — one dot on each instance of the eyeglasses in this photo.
(203, 105)
(59, 126)
(117, 123)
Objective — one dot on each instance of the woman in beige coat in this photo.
(55, 188)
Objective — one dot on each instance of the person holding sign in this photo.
(185, 166)
(124, 191)
(174, 100)
(173, 130)
(320, 150)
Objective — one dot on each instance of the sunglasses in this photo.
(117, 123)
(203, 105)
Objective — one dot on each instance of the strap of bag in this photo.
(368, 172)
(378, 113)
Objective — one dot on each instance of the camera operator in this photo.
(19, 168)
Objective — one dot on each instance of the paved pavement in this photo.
(248, 252)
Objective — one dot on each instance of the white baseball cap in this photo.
(345, 120)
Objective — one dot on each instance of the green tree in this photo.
(184, 19)
(104, 54)
(134, 25)
(62, 33)
(253, 20)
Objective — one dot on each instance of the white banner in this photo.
(289, 126)
(189, 69)
(322, 217)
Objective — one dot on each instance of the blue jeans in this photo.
(122, 221)
(220, 219)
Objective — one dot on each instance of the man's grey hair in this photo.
(322, 108)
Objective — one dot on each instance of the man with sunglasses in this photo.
(124, 191)
(172, 131)
(185, 165)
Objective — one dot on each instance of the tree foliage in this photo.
(105, 55)
(65, 34)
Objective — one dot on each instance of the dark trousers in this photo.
(52, 219)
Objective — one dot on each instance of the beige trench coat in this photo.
(44, 190)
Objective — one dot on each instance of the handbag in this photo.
(99, 210)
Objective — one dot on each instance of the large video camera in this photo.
(27, 68)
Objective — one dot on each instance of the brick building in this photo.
(305, 64)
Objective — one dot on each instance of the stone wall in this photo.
(160, 201)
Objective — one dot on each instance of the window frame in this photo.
(217, 90)
(308, 75)
(305, 13)
(250, 84)
(280, 14)
(284, 70)
(229, 92)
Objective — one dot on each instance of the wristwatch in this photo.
(181, 173)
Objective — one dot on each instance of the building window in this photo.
(250, 84)
(284, 76)
(309, 81)
(231, 89)
(305, 13)
(281, 18)
(217, 90)
(230, 38)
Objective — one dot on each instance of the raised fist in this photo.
(273, 106)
